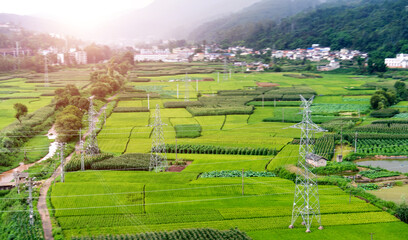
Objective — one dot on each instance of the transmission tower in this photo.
(187, 88)
(158, 158)
(92, 147)
(30, 200)
(306, 200)
(46, 80)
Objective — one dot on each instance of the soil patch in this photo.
(266, 84)
(178, 168)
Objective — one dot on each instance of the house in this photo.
(315, 160)
(329, 67)
(401, 61)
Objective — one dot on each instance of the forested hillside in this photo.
(376, 26)
(260, 11)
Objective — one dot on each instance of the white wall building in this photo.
(401, 61)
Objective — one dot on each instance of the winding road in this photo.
(42, 201)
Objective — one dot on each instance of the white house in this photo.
(315, 160)
(401, 61)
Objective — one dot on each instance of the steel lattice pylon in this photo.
(158, 158)
(92, 147)
(306, 200)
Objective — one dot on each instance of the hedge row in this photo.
(209, 111)
(183, 104)
(210, 149)
(130, 109)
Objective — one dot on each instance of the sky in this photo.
(80, 13)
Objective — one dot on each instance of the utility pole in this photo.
(283, 114)
(144, 198)
(218, 77)
(263, 100)
(176, 148)
(30, 200)
(177, 91)
(104, 117)
(341, 140)
(355, 143)
(148, 101)
(187, 88)
(196, 85)
(242, 182)
(18, 56)
(225, 69)
(46, 80)
(81, 143)
(92, 147)
(17, 180)
(61, 145)
(230, 73)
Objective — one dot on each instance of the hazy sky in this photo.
(73, 12)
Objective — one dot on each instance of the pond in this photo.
(391, 165)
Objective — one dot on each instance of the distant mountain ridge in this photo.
(31, 23)
(261, 11)
(171, 18)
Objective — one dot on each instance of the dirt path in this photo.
(42, 201)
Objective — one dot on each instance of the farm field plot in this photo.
(235, 121)
(175, 200)
(207, 163)
(256, 135)
(134, 103)
(8, 112)
(119, 127)
(395, 194)
(288, 155)
(210, 124)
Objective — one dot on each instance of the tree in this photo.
(401, 89)
(382, 99)
(21, 110)
(68, 122)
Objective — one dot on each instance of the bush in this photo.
(402, 212)
(130, 161)
(236, 173)
(384, 113)
(206, 111)
(334, 168)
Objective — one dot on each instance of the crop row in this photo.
(183, 234)
(209, 149)
(382, 146)
(324, 146)
(393, 128)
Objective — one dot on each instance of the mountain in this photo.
(261, 11)
(31, 23)
(369, 25)
(169, 18)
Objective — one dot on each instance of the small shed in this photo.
(316, 160)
